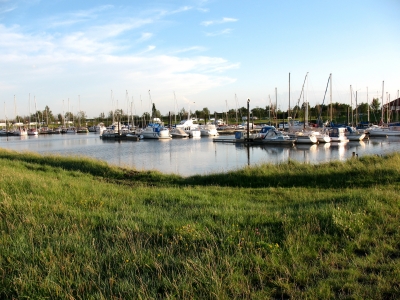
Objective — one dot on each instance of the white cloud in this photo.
(5, 10)
(190, 49)
(87, 61)
(145, 36)
(221, 32)
(224, 20)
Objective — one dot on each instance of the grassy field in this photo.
(74, 228)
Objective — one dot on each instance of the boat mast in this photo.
(151, 108)
(330, 82)
(367, 107)
(397, 107)
(356, 111)
(69, 114)
(289, 105)
(63, 115)
(276, 107)
(226, 103)
(269, 110)
(35, 112)
(383, 88)
(236, 103)
(387, 107)
(175, 107)
(351, 105)
(127, 106)
(79, 108)
(29, 125)
(306, 108)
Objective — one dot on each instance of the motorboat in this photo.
(82, 130)
(306, 137)
(322, 135)
(57, 130)
(338, 135)
(178, 133)
(20, 131)
(108, 134)
(188, 126)
(270, 135)
(132, 136)
(33, 131)
(353, 134)
(208, 130)
(71, 130)
(377, 131)
(194, 133)
(99, 128)
(155, 131)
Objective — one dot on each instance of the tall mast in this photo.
(79, 113)
(387, 107)
(63, 115)
(127, 106)
(276, 107)
(397, 107)
(367, 107)
(306, 107)
(330, 82)
(236, 102)
(289, 102)
(35, 111)
(29, 125)
(356, 110)
(175, 107)
(351, 105)
(226, 103)
(383, 88)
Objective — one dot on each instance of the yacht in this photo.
(338, 135)
(190, 127)
(353, 134)
(270, 135)
(376, 131)
(208, 130)
(155, 131)
(178, 133)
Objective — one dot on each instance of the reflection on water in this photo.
(193, 156)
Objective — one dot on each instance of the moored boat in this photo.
(270, 135)
(353, 134)
(178, 133)
(155, 131)
(337, 135)
(377, 131)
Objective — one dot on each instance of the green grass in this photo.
(74, 228)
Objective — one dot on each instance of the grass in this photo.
(74, 228)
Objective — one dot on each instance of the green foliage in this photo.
(78, 228)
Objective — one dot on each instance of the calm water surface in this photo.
(191, 156)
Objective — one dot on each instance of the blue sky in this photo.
(99, 55)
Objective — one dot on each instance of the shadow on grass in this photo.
(363, 172)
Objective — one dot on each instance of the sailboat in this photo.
(20, 131)
(31, 131)
(302, 132)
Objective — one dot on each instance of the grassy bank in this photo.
(78, 228)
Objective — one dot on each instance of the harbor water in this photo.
(189, 157)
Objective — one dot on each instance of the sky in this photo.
(96, 56)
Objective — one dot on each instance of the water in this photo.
(188, 157)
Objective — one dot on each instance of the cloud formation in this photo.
(222, 21)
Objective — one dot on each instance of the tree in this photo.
(375, 105)
(48, 115)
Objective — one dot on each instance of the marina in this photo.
(193, 156)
